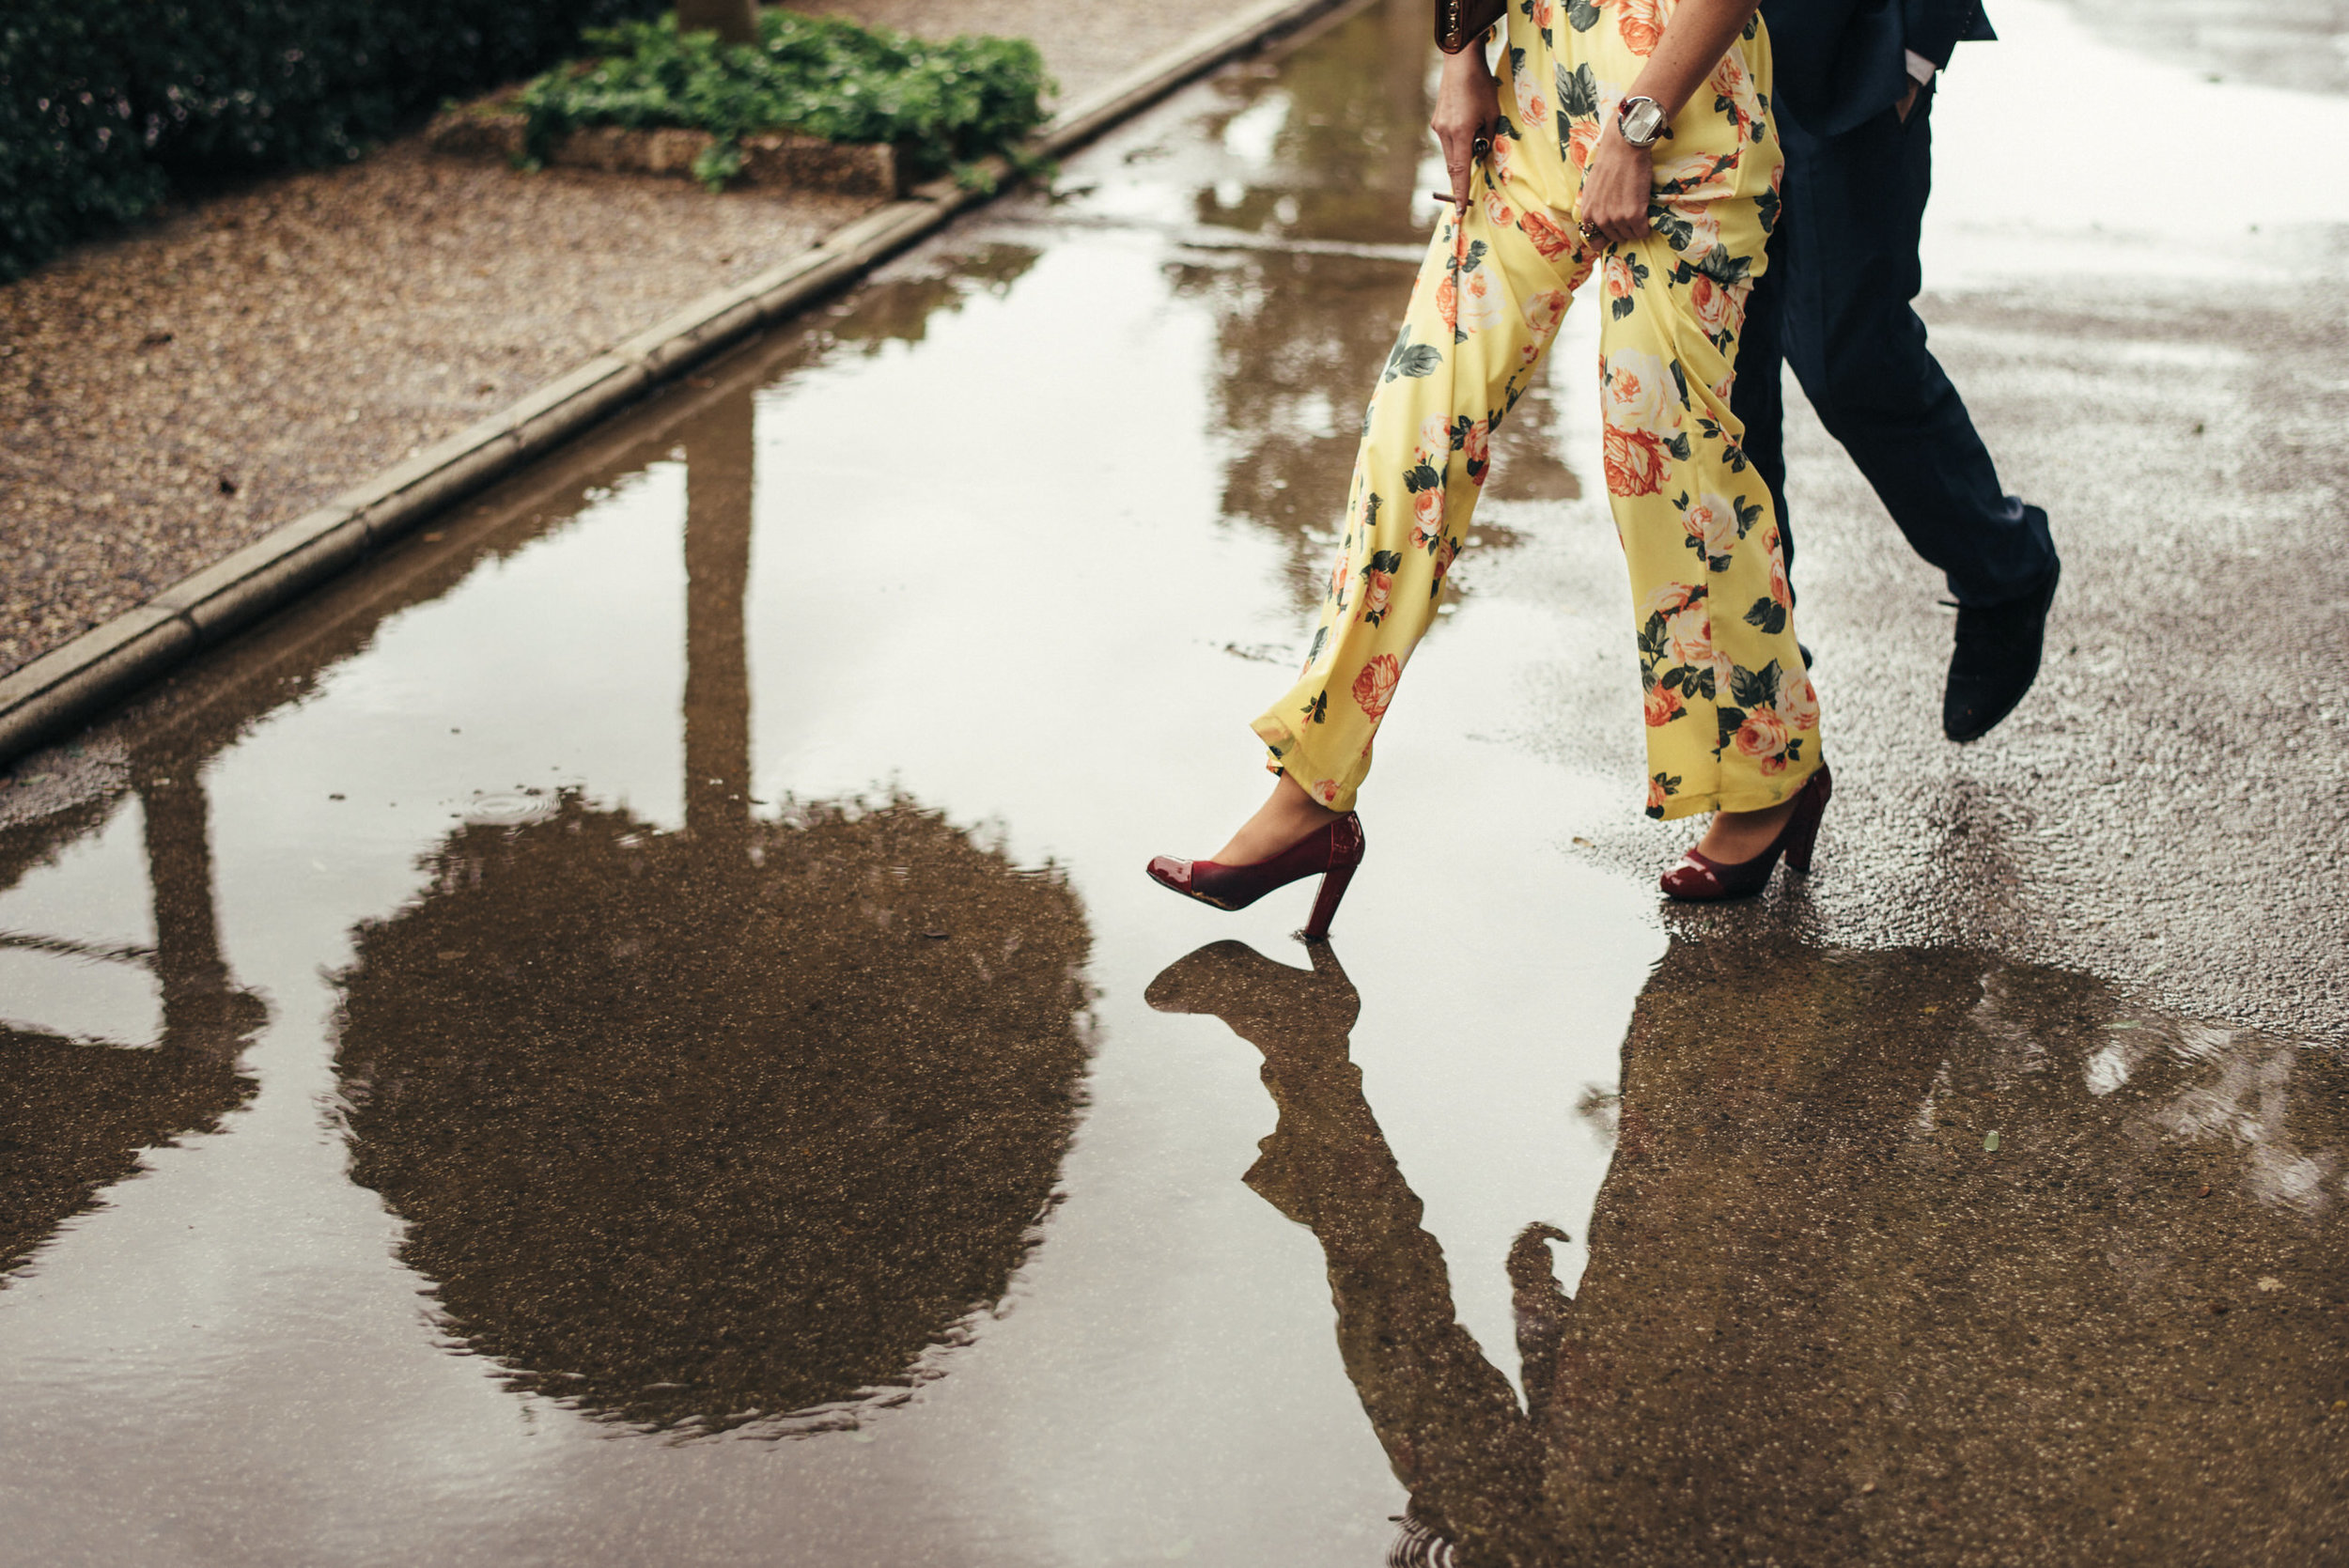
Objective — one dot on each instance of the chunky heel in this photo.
(1326, 904)
(1806, 833)
(1798, 847)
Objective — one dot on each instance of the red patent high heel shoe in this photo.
(1699, 878)
(1331, 853)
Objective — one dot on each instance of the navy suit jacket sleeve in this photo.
(1935, 29)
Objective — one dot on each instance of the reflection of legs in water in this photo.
(1449, 1421)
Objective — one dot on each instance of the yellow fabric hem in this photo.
(1286, 751)
(1789, 784)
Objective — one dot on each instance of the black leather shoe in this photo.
(1996, 659)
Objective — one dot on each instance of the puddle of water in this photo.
(699, 1076)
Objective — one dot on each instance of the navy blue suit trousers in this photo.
(1836, 302)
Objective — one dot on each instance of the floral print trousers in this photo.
(1732, 721)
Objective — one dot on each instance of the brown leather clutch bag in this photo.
(1461, 22)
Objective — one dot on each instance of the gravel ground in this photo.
(171, 395)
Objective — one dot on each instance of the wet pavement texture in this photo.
(634, 1030)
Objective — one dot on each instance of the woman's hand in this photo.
(1468, 106)
(1615, 187)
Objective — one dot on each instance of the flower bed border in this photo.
(69, 686)
(492, 130)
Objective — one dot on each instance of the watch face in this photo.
(1640, 125)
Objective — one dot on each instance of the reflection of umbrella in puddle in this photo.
(720, 1125)
(695, 1139)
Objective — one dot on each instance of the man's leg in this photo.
(1855, 205)
(1854, 212)
(1757, 397)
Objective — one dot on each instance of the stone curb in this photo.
(69, 685)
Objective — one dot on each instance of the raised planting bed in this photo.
(818, 103)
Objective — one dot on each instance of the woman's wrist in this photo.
(1611, 136)
(1469, 65)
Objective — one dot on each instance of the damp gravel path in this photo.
(169, 398)
(171, 395)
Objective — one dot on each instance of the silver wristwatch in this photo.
(1640, 120)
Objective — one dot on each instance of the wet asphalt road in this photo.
(633, 1031)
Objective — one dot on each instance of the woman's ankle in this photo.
(1733, 836)
(1287, 816)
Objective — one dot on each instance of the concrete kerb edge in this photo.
(69, 685)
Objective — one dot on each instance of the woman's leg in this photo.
(1732, 721)
(1489, 300)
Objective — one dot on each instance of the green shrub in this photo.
(105, 104)
(946, 103)
(72, 155)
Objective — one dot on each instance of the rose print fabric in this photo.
(1732, 719)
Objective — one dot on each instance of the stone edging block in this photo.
(491, 130)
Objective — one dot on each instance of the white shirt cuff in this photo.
(1920, 69)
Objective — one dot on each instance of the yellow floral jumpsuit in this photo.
(1733, 720)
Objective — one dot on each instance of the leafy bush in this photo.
(105, 104)
(71, 153)
(946, 103)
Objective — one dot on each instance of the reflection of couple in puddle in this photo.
(1821, 1321)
